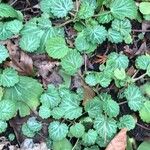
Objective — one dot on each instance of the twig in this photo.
(142, 126)
(135, 74)
(85, 62)
(140, 77)
(65, 23)
(140, 30)
(124, 102)
(75, 144)
(13, 2)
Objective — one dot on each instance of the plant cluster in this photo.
(91, 124)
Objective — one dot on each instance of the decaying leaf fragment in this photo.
(119, 141)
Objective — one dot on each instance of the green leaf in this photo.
(96, 34)
(103, 79)
(34, 125)
(77, 130)
(90, 137)
(3, 53)
(105, 127)
(91, 79)
(71, 107)
(144, 8)
(61, 8)
(72, 62)
(81, 43)
(86, 10)
(57, 130)
(117, 61)
(126, 121)
(30, 42)
(51, 97)
(142, 62)
(120, 74)
(4, 33)
(114, 36)
(25, 94)
(62, 145)
(94, 107)
(145, 112)
(7, 109)
(7, 11)
(57, 112)
(26, 131)
(3, 126)
(134, 97)
(105, 17)
(14, 26)
(110, 107)
(128, 39)
(44, 112)
(56, 47)
(9, 77)
(123, 8)
(122, 26)
(144, 145)
(45, 6)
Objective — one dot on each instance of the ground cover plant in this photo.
(75, 74)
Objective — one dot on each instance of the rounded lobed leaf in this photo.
(44, 112)
(56, 47)
(57, 131)
(94, 107)
(122, 26)
(105, 127)
(7, 11)
(145, 112)
(25, 94)
(72, 62)
(114, 36)
(142, 62)
(7, 109)
(144, 8)
(51, 97)
(123, 8)
(126, 121)
(77, 130)
(134, 97)
(62, 145)
(9, 77)
(90, 137)
(111, 107)
(26, 131)
(34, 125)
(96, 34)
(61, 8)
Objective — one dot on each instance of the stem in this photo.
(75, 144)
(140, 77)
(140, 30)
(135, 74)
(143, 126)
(65, 23)
(85, 62)
(124, 102)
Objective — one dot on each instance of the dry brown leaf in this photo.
(19, 60)
(119, 141)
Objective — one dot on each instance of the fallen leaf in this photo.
(119, 142)
(19, 60)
